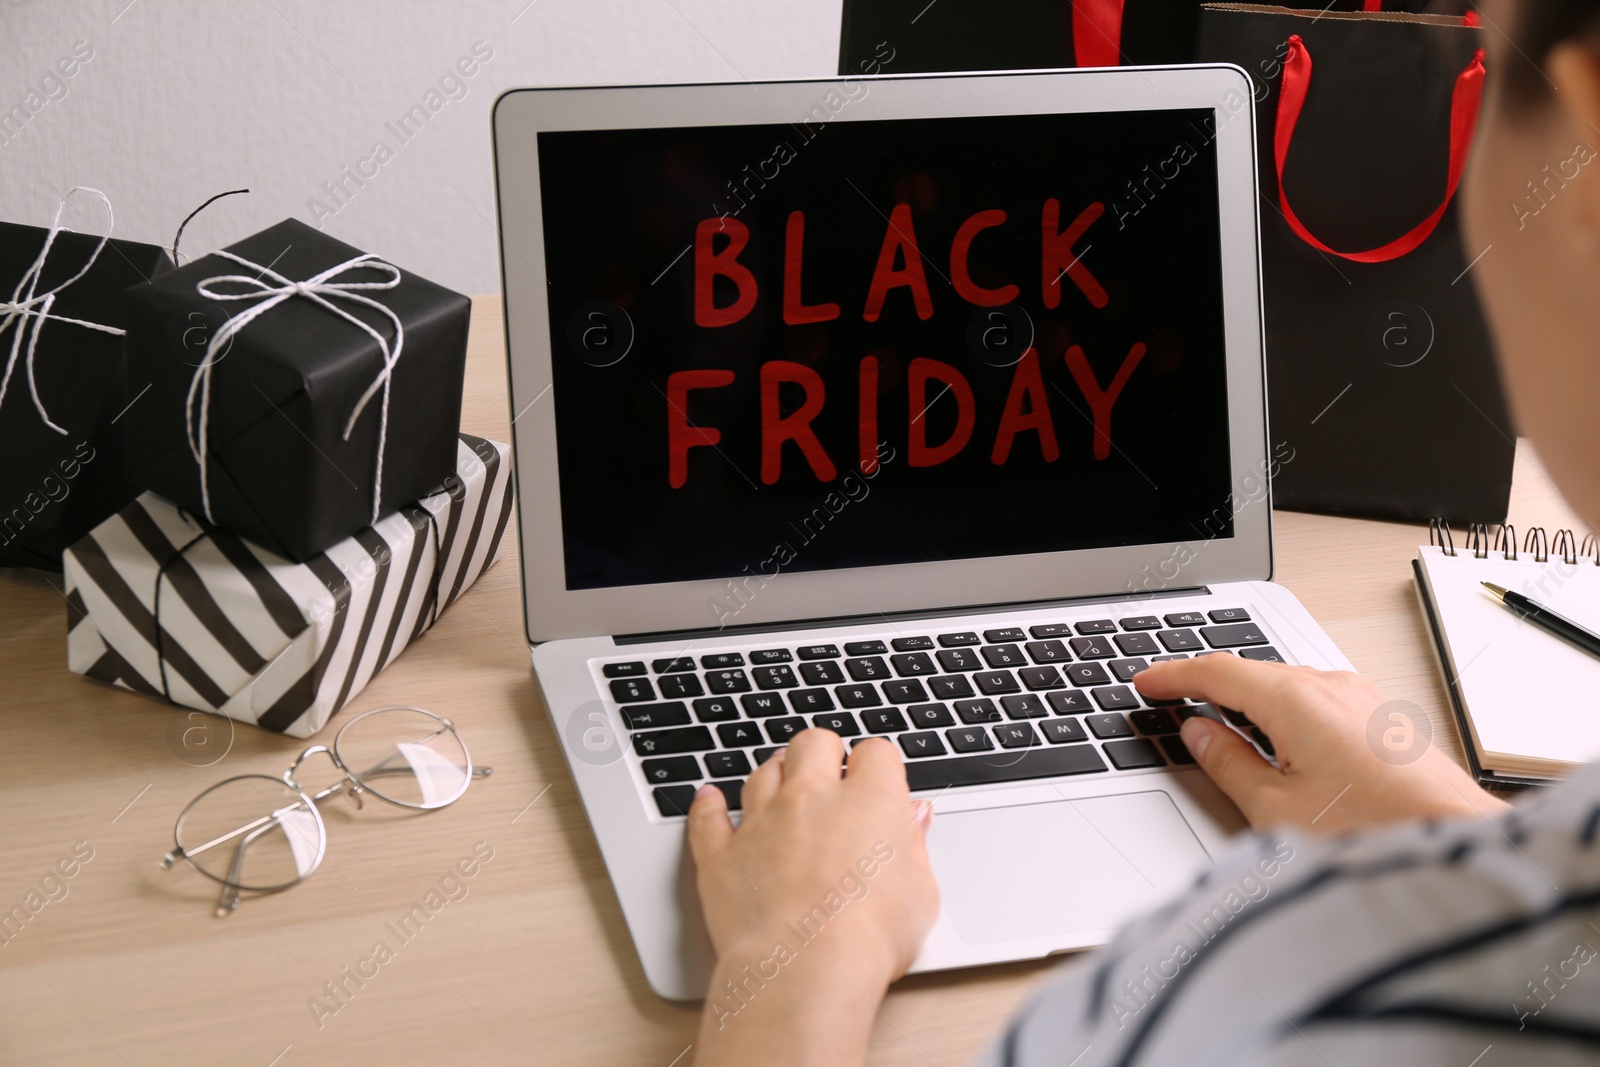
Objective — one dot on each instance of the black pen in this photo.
(1546, 619)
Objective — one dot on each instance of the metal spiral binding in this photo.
(1439, 534)
(1538, 544)
(1566, 546)
(1478, 540)
(1505, 541)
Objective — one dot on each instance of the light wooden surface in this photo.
(534, 964)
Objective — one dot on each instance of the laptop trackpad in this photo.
(1061, 866)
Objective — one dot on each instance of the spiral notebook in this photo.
(1525, 700)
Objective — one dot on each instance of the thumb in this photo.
(709, 825)
(1232, 763)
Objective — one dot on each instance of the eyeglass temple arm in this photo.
(228, 900)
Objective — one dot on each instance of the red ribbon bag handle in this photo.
(1464, 101)
(1097, 32)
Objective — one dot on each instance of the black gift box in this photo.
(280, 470)
(54, 487)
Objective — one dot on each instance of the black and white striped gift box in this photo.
(161, 603)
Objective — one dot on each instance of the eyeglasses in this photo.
(412, 759)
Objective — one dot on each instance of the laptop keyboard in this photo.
(967, 707)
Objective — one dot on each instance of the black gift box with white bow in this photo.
(61, 377)
(299, 389)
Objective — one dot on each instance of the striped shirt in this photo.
(1453, 943)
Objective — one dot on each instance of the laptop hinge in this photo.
(897, 616)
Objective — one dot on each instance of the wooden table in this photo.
(533, 965)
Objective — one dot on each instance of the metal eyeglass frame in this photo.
(352, 785)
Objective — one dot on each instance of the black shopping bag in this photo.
(1380, 371)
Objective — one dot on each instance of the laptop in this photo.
(928, 408)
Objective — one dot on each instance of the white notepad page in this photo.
(1527, 693)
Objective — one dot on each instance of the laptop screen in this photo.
(783, 348)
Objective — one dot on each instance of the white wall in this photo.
(185, 98)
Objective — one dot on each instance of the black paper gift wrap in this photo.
(269, 359)
(58, 484)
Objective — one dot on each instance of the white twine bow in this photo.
(27, 303)
(320, 290)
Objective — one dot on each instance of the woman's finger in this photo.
(709, 826)
(815, 757)
(762, 786)
(1262, 691)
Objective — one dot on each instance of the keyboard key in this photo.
(1177, 751)
(1041, 678)
(1002, 655)
(1264, 653)
(647, 716)
(1123, 670)
(1047, 651)
(960, 659)
(840, 722)
(1229, 615)
(1050, 629)
(1170, 655)
(674, 799)
(1233, 636)
(861, 695)
(1139, 644)
(1069, 701)
(904, 691)
(1086, 674)
(956, 640)
(727, 682)
(1026, 706)
(1109, 725)
(1115, 697)
(982, 770)
(1154, 723)
(1179, 640)
(782, 731)
(676, 665)
(715, 709)
(1237, 718)
(1060, 731)
(969, 739)
(1186, 618)
(976, 711)
(865, 648)
(1015, 735)
(1093, 648)
(819, 652)
(993, 683)
(1097, 626)
(740, 734)
(869, 669)
(1131, 755)
(771, 655)
(1141, 622)
(1009, 633)
(718, 660)
(913, 664)
(631, 669)
(884, 721)
(632, 690)
(919, 746)
(1214, 652)
(733, 791)
(679, 685)
(825, 673)
(808, 701)
(760, 705)
(764, 754)
(951, 687)
(775, 677)
(930, 715)
(672, 769)
(673, 742)
(912, 644)
(725, 764)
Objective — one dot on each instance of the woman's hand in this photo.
(818, 901)
(1329, 778)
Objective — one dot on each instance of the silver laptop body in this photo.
(948, 460)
